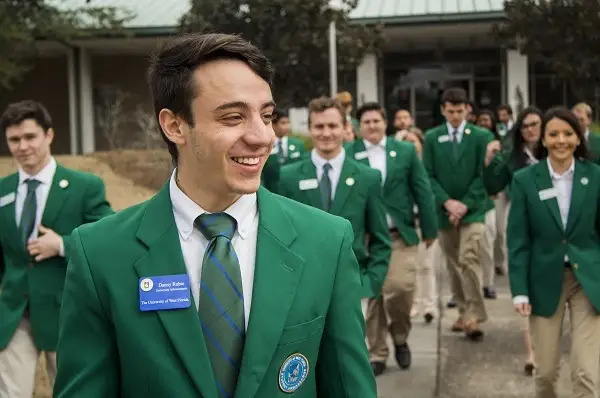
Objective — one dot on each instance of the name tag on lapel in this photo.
(361, 155)
(305, 185)
(167, 292)
(443, 138)
(7, 199)
(549, 193)
(295, 155)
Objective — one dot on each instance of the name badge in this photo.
(443, 138)
(549, 193)
(305, 185)
(361, 155)
(295, 155)
(274, 150)
(167, 292)
(7, 199)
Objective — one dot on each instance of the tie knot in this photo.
(216, 224)
(32, 184)
(326, 168)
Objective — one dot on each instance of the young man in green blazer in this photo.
(287, 149)
(453, 155)
(40, 205)
(215, 287)
(331, 181)
(405, 184)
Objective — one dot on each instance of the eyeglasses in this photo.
(525, 126)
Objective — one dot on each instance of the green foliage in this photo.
(25, 21)
(294, 36)
(564, 34)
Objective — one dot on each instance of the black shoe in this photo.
(499, 271)
(378, 368)
(428, 317)
(403, 356)
(451, 303)
(489, 293)
(528, 369)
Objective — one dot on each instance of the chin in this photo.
(245, 187)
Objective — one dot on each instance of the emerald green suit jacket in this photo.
(358, 199)
(457, 178)
(306, 299)
(295, 151)
(40, 284)
(537, 241)
(272, 169)
(406, 184)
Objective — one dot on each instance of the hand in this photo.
(462, 209)
(454, 220)
(428, 242)
(492, 149)
(45, 246)
(523, 308)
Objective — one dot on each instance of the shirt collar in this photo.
(555, 175)
(460, 128)
(45, 175)
(186, 210)
(336, 163)
(381, 143)
(587, 134)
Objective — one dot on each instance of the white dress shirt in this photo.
(284, 145)
(459, 131)
(378, 160)
(563, 183)
(194, 244)
(336, 168)
(45, 176)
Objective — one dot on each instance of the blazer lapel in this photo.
(313, 196)
(578, 194)
(158, 232)
(465, 141)
(360, 149)
(543, 182)
(447, 146)
(276, 276)
(344, 187)
(390, 157)
(59, 190)
(8, 212)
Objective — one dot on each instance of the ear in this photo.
(173, 127)
(50, 135)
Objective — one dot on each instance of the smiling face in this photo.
(327, 130)
(561, 140)
(531, 128)
(372, 126)
(225, 149)
(29, 145)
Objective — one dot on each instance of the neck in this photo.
(329, 155)
(38, 167)
(376, 141)
(562, 165)
(207, 198)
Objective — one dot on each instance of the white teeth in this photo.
(248, 161)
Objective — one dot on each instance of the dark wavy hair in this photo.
(518, 156)
(564, 114)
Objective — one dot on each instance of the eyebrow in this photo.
(240, 104)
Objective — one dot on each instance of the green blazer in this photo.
(497, 175)
(295, 151)
(593, 145)
(269, 177)
(74, 198)
(358, 199)
(306, 299)
(457, 178)
(406, 184)
(537, 241)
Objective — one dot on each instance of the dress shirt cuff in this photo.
(520, 300)
(61, 249)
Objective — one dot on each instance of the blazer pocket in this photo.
(303, 331)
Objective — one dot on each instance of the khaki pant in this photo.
(502, 205)
(585, 346)
(18, 362)
(487, 249)
(392, 311)
(462, 246)
(428, 264)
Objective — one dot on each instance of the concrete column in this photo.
(366, 80)
(73, 108)
(86, 98)
(517, 80)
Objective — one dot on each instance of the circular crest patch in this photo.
(146, 284)
(293, 372)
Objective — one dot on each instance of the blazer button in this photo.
(576, 266)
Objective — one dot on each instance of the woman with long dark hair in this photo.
(554, 253)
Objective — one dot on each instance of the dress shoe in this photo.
(528, 369)
(378, 367)
(451, 303)
(499, 271)
(403, 356)
(489, 293)
(459, 325)
(472, 331)
(428, 317)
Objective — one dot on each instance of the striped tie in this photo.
(29, 213)
(325, 187)
(221, 303)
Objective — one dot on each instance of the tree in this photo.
(294, 35)
(25, 21)
(564, 34)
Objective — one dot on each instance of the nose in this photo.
(259, 134)
(561, 138)
(22, 145)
